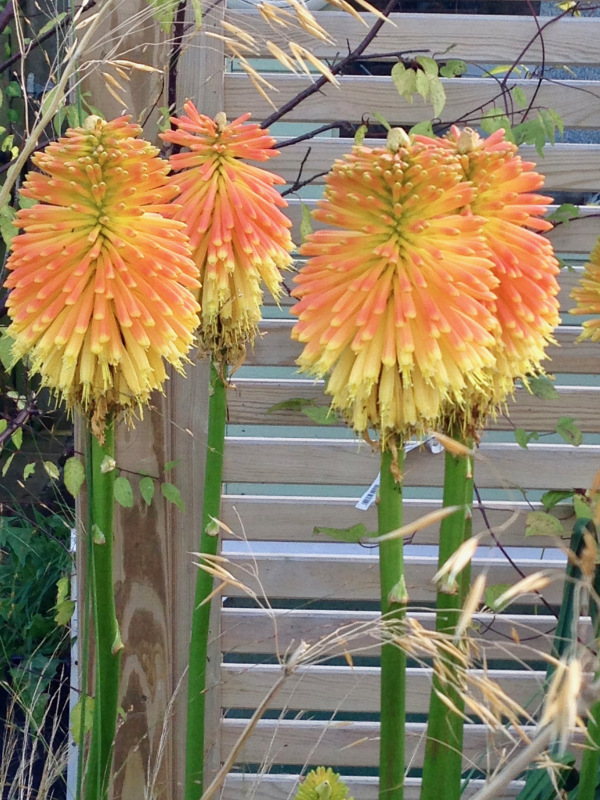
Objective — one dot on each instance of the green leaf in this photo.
(542, 386)
(437, 95)
(405, 81)
(494, 119)
(8, 231)
(381, 120)
(197, 9)
(424, 128)
(28, 470)
(564, 213)
(74, 475)
(322, 415)
(171, 493)
(147, 489)
(98, 536)
(123, 492)
(7, 464)
(493, 592)
(51, 24)
(306, 222)
(293, 404)
(360, 134)
(170, 464)
(554, 497)
(500, 69)
(64, 605)
(353, 534)
(581, 507)
(519, 96)
(88, 718)
(13, 89)
(164, 11)
(3, 425)
(540, 523)
(453, 68)
(17, 438)
(51, 470)
(422, 83)
(523, 438)
(568, 430)
(430, 66)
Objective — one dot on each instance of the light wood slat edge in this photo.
(250, 401)
(253, 630)
(246, 786)
(356, 578)
(274, 347)
(477, 38)
(346, 744)
(351, 463)
(579, 236)
(292, 519)
(358, 95)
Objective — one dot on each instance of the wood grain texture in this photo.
(250, 401)
(275, 348)
(276, 518)
(329, 462)
(475, 38)
(575, 100)
(302, 576)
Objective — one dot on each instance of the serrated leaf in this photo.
(453, 68)
(554, 497)
(493, 592)
(17, 438)
(519, 96)
(28, 470)
(381, 120)
(51, 470)
(171, 493)
(405, 81)
(7, 464)
(360, 134)
(74, 475)
(430, 65)
(170, 465)
(424, 128)
(147, 489)
(437, 96)
(353, 534)
(81, 726)
(540, 523)
(306, 222)
(568, 430)
(293, 404)
(123, 492)
(564, 213)
(322, 415)
(542, 386)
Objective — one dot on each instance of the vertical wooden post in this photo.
(154, 571)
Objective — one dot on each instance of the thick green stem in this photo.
(106, 628)
(442, 766)
(393, 659)
(209, 542)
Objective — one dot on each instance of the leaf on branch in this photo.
(17, 438)
(360, 134)
(293, 404)
(7, 464)
(381, 120)
(349, 535)
(523, 438)
(64, 605)
(322, 415)
(28, 470)
(564, 213)
(541, 386)
(540, 523)
(74, 475)
(51, 24)
(171, 493)
(147, 489)
(405, 81)
(81, 727)
(554, 497)
(306, 222)
(519, 96)
(568, 430)
(424, 128)
(123, 492)
(51, 470)
(493, 592)
(453, 68)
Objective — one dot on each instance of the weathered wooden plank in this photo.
(358, 95)
(358, 690)
(276, 518)
(356, 578)
(579, 236)
(346, 462)
(567, 167)
(246, 786)
(351, 744)
(277, 631)
(275, 348)
(476, 38)
(250, 401)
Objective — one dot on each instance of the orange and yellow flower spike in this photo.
(101, 283)
(238, 233)
(587, 297)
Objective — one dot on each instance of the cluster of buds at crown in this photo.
(434, 290)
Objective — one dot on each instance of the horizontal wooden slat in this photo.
(276, 518)
(277, 631)
(567, 167)
(356, 578)
(347, 462)
(250, 400)
(245, 786)
(476, 38)
(275, 348)
(357, 690)
(579, 236)
(358, 95)
(348, 744)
